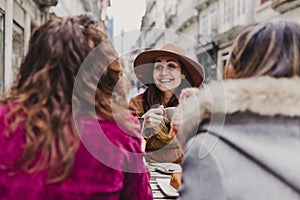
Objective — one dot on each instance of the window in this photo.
(241, 8)
(213, 21)
(1, 52)
(204, 25)
(226, 11)
(17, 47)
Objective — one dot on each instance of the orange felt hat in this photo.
(143, 64)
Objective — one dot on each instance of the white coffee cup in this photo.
(170, 111)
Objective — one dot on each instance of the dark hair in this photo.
(42, 95)
(270, 48)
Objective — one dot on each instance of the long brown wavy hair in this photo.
(268, 48)
(42, 96)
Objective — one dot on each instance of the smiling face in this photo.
(167, 73)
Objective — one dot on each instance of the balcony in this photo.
(45, 3)
(228, 36)
(284, 5)
(186, 17)
(201, 4)
(152, 34)
(150, 5)
(147, 23)
(169, 15)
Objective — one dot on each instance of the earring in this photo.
(182, 76)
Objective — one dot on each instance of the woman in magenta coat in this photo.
(59, 135)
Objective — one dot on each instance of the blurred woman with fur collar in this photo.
(244, 141)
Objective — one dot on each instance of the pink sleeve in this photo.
(137, 184)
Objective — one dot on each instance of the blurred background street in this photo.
(209, 25)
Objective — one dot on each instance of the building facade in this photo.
(18, 18)
(211, 24)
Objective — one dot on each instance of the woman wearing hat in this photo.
(165, 72)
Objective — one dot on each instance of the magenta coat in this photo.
(107, 166)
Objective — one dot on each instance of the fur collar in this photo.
(264, 95)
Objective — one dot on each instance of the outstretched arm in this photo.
(186, 120)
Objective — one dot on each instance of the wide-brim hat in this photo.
(143, 64)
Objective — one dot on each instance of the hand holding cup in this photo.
(153, 117)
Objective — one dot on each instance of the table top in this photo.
(156, 190)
